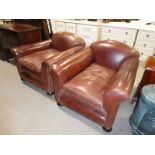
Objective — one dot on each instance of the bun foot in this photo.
(107, 130)
(59, 104)
(49, 93)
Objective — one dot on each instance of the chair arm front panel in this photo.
(120, 88)
(65, 70)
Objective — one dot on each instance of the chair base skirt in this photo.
(86, 112)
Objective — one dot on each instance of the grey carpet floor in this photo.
(25, 109)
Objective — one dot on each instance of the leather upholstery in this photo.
(88, 86)
(64, 71)
(93, 82)
(63, 41)
(24, 50)
(111, 56)
(34, 60)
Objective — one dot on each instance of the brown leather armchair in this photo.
(34, 60)
(95, 81)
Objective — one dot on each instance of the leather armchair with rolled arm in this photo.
(95, 81)
(34, 60)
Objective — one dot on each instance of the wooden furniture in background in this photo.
(6, 21)
(88, 30)
(148, 76)
(12, 35)
(119, 31)
(145, 42)
(42, 23)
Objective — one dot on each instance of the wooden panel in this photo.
(70, 27)
(148, 76)
(119, 31)
(60, 26)
(30, 37)
(14, 35)
(88, 32)
(150, 63)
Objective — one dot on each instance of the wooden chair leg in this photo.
(49, 93)
(59, 104)
(107, 130)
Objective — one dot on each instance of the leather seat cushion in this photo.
(88, 87)
(33, 61)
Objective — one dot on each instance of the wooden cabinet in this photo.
(63, 25)
(12, 35)
(71, 27)
(148, 76)
(42, 23)
(124, 32)
(145, 42)
(119, 32)
(88, 32)
(60, 26)
(137, 35)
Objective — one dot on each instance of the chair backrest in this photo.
(111, 53)
(64, 40)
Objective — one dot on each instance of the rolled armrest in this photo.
(122, 83)
(120, 86)
(31, 48)
(61, 56)
(47, 64)
(63, 71)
